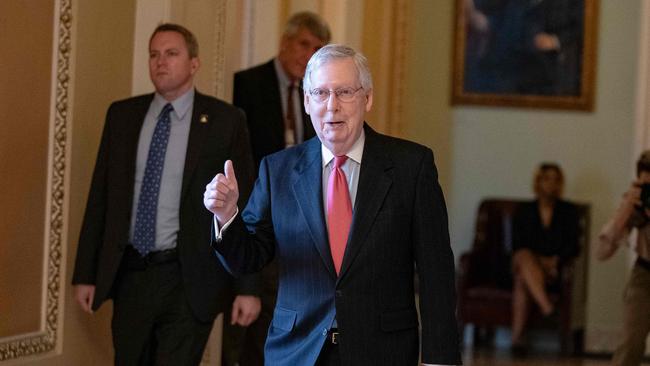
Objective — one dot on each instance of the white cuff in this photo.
(217, 231)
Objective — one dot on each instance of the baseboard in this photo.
(603, 341)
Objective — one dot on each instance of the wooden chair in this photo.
(485, 277)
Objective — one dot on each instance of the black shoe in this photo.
(519, 349)
(552, 316)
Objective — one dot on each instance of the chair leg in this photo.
(489, 336)
(483, 336)
(476, 335)
(567, 344)
(461, 333)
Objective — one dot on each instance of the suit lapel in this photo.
(307, 190)
(201, 120)
(269, 92)
(375, 179)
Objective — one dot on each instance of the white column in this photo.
(346, 21)
(148, 14)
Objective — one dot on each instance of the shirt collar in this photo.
(283, 78)
(181, 104)
(355, 153)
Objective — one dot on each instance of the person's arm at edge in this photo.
(435, 263)
(92, 229)
(614, 233)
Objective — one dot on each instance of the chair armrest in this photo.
(464, 271)
(462, 284)
(464, 263)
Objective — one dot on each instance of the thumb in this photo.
(229, 171)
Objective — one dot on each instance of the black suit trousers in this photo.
(329, 355)
(152, 321)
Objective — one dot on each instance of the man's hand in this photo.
(633, 194)
(222, 193)
(245, 310)
(84, 295)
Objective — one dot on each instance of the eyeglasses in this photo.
(345, 95)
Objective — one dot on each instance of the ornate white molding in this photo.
(247, 51)
(46, 338)
(219, 60)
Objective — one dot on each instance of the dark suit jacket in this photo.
(257, 92)
(105, 229)
(399, 222)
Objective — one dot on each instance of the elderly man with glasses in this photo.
(349, 215)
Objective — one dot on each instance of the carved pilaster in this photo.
(46, 339)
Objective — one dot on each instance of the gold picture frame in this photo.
(531, 54)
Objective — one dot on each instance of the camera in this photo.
(645, 196)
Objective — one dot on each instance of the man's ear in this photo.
(195, 63)
(306, 102)
(369, 101)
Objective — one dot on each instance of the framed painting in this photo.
(525, 53)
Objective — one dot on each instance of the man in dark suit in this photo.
(143, 241)
(271, 96)
(263, 90)
(350, 215)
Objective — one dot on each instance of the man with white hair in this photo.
(349, 215)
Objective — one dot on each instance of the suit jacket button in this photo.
(325, 331)
(339, 293)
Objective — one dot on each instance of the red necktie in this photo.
(339, 211)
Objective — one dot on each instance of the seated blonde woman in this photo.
(545, 236)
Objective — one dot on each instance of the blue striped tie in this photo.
(144, 234)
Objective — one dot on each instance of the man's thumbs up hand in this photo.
(222, 193)
(230, 172)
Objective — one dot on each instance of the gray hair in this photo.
(333, 52)
(310, 21)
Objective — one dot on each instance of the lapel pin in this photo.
(203, 118)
